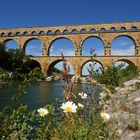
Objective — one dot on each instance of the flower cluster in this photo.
(42, 112)
(80, 105)
(102, 95)
(105, 116)
(83, 95)
(69, 106)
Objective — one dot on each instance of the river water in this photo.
(41, 93)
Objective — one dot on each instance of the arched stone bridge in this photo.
(77, 34)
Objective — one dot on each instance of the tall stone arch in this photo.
(51, 41)
(93, 36)
(91, 60)
(30, 39)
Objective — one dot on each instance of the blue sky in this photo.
(30, 13)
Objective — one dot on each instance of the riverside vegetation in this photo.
(78, 116)
(15, 65)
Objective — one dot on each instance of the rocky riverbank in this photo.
(124, 108)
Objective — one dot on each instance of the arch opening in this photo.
(83, 31)
(92, 30)
(25, 33)
(102, 30)
(124, 62)
(11, 44)
(33, 33)
(3, 34)
(42, 33)
(57, 32)
(10, 34)
(89, 66)
(122, 29)
(127, 67)
(56, 68)
(33, 47)
(123, 46)
(65, 32)
(61, 45)
(133, 29)
(49, 32)
(112, 29)
(90, 44)
(74, 31)
(18, 34)
(31, 64)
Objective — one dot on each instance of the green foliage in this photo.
(4, 75)
(37, 74)
(115, 75)
(133, 124)
(17, 64)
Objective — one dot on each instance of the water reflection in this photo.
(41, 93)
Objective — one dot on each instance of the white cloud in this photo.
(124, 43)
(34, 50)
(129, 51)
(32, 47)
(65, 52)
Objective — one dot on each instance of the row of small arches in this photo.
(74, 31)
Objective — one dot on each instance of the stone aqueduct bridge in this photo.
(77, 34)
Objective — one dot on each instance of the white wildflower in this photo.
(105, 116)
(43, 112)
(102, 95)
(83, 95)
(69, 106)
(80, 105)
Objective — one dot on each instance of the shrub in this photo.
(133, 124)
(115, 75)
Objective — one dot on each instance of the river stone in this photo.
(119, 133)
(50, 78)
(136, 101)
(75, 79)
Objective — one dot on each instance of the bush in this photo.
(4, 75)
(133, 124)
(115, 75)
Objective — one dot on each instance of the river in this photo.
(41, 93)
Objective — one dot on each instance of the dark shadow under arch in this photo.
(30, 64)
(51, 67)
